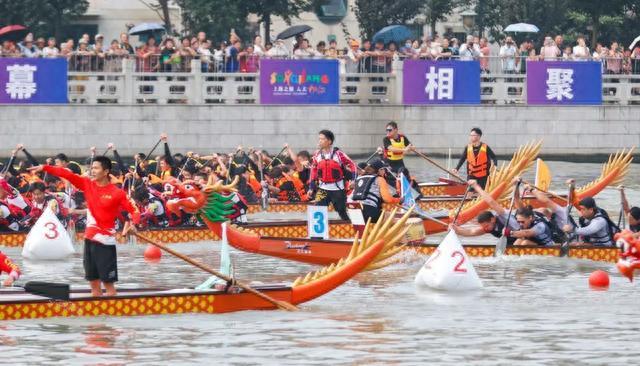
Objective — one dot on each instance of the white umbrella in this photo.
(633, 44)
(522, 28)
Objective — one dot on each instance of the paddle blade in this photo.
(501, 247)
(56, 291)
(564, 249)
(543, 175)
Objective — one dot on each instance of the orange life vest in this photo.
(255, 184)
(287, 194)
(477, 166)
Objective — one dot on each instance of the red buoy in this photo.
(152, 253)
(599, 279)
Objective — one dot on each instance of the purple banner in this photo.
(33, 80)
(299, 82)
(564, 82)
(441, 82)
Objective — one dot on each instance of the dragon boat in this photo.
(378, 243)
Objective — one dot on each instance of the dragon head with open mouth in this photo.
(212, 201)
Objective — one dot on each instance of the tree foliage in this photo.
(43, 17)
(374, 15)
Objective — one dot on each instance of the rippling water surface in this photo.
(532, 310)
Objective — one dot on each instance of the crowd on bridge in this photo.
(359, 56)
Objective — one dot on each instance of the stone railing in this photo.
(195, 87)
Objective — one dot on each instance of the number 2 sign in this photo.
(318, 222)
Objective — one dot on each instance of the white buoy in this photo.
(449, 268)
(48, 239)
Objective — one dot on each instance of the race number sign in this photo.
(318, 222)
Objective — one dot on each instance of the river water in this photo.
(531, 311)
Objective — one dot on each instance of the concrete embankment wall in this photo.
(566, 131)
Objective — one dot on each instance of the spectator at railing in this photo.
(352, 62)
(185, 55)
(148, 56)
(167, 52)
(447, 52)
(113, 57)
(258, 48)
(455, 47)
(249, 61)
(125, 45)
(508, 56)
(304, 51)
(40, 44)
(614, 59)
(485, 54)
(279, 50)
(581, 51)
(27, 48)
(66, 49)
(206, 56)
(321, 47)
(378, 58)
(550, 50)
(627, 65)
(567, 54)
(81, 59)
(98, 47)
(559, 41)
(9, 49)
(332, 51)
(231, 60)
(600, 54)
(51, 51)
(469, 51)
(425, 51)
(523, 55)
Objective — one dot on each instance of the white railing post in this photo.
(128, 68)
(197, 85)
(397, 68)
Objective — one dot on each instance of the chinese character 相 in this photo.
(439, 83)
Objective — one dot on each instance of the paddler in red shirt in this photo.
(104, 201)
(7, 266)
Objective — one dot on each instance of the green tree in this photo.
(438, 10)
(600, 12)
(43, 17)
(374, 15)
(286, 9)
(215, 17)
(161, 7)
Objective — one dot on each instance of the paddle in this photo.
(501, 246)
(458, 177)
(426, 217)
(276, 158)
(56, 291)
(464, 199)
(281, 304)
(146, 157)
(565, 247)
(543, 191)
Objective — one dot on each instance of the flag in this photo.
(543, 175)
(409, 195)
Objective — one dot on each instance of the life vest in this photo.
(255, 184)
(603, 237)
(330, 169)
(544, 238)
(291, 189)
(12, 220)
(477, 166)
(399, 143)
(498, 228)
(557, 235)
(363, 191)
(166, 175)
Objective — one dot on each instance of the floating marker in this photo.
(48, 239)
(449, 268)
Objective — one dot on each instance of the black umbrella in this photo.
(294, 31)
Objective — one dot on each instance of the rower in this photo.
(533, 230)
(331, 169)
(372, 189)
(553, 213)
(7, 266)
(105, 202)
(632, 213)
(479, 158)
(489, 222)
(395, 146)
(596, 227)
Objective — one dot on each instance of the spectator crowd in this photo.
(235, 55)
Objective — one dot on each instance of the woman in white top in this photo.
(51, 50)
(581, 51)
(258, 48)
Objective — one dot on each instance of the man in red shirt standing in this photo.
(104, 201)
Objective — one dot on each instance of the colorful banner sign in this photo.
(33, 80)
(299, 82)
(441, 82)
(564, 82)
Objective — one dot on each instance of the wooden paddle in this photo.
(281, 304)
(464, 199)
(426, 217)
(565, 247)
(547, 192)
(501, 246)
(458, 177)
(146, 157)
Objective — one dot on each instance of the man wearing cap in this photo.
(354, 56)
(372, 190)
(596, 227)
(98, 46)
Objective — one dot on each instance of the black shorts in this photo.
(100, 262)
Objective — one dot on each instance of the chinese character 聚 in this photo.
(559, 84)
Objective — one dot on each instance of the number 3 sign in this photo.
(318, 222)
